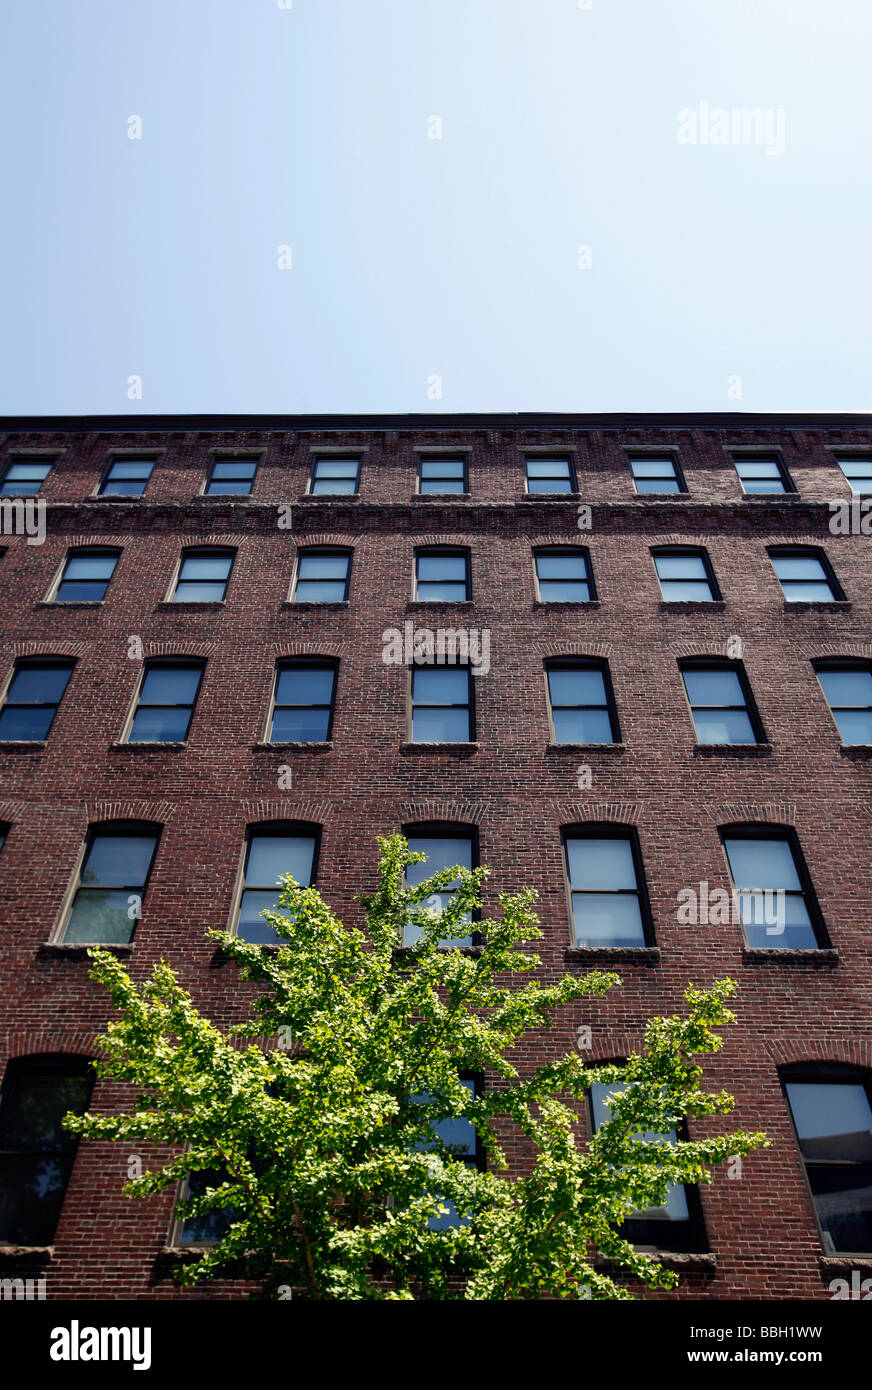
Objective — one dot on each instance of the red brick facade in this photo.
(519, 792)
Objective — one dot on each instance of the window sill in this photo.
(858, 751)
(455, 749)
(585, 748)
(299, 746)
(791, 955)
(563, 603)
(672, 1259)
(732, 750)
(441, 496)
(692, 605)
(310, 497)
(143, 745)
(830, 1262)
(330, 604)
(416, 604)
(825, 606)
(22, 745)
(550, 497)
(28, 1254)
(71, 603)
(645, 955)
(402, 953)
(190, 605)
(76, 950)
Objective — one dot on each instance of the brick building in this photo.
(663, 682)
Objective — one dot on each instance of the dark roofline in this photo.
(534, 419)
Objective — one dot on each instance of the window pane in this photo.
(304, 685)
(442, 567)
(600, 864)
(81, 591)
(120, 488)
(717, 687)
(234, 468)
(441, 485)
(31, 472)
(441, 593)
(833, 1120)
(214, 1225)
(323, 566)
(582, 726)
(584, 687)
(320, 591)
(251, 926)
(300, 725)
(34, 1175)
(773, 485)
(199, 592)
(324, 486)
(607, 919)
(32, 1123)
(686, 591)
(26, 724)
(856, 467)
(170, 685)
(442, 468)
(854, 726)
(758, 468)
(152, 724)
(680, 566)
(564, 591)
(549, 485)
(806, 592)
(90, 566)
(798, 567)
(217, 488)
(442, 686)
(847, 687)
(101, 914)
(762, 864)
(653, 468)
(440, 726)
(139, 469)
(843, 1200)
(657, 485)
(206, 567)
(724, 726)
(271, 856)
(336, 468)
(118, 859)
(561, 567)
(39, 684)
(548, 468)
(442, 853)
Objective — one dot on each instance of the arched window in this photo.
(113, 876)
(272, 849)
(445, 844)
(606, 887)
(831, 1109)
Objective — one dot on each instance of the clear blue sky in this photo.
(415, 257)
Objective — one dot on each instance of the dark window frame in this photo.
(106, 475)
(581, 663)
(273, 830)
(720, 663)
(657, 456)
(226, 458)
(832, 1073)
(550, 456)
(318, 663)
(449, 830)
(569, 551)
(84, 552)
(27, 460)
(427, 456)
(163, 663)
(116, 829)
(202, 552)
(637, 1229)
(303, 552)
(350, 457)
(806, 552)
(609, 830)
(843, 456)
(766, 830)
(848, 664)
(412, 704)
(455, 552)
(686, 552)
(30, 663)
(764, 456)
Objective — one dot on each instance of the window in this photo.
(460, 1137)
(848, 689)
(721, 703)
(203, 577)
(607, 889)
(166, 702)
(675, 1226)
(773, 894)
(549, 474)
(686, 576)
(762, 473)
(86, 576)
(444, 848)
(24, 477)
(830, 1108)
(441, 704)
(270, 854)
(857, 468)
(303, 706)
(112, 883)
(582, 703)
(322, 576)
(231, 477)
(564, 576)
(442, 473)
(32, 699)
(442, 576)
(806, 576)
(656, 473)
(127, 477)
(36, 1152)
(4, 831)
(331, 474)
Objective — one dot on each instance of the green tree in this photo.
(331, 1176)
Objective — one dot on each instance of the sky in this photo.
(435, 206)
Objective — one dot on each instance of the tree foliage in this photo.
(331, 1174)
